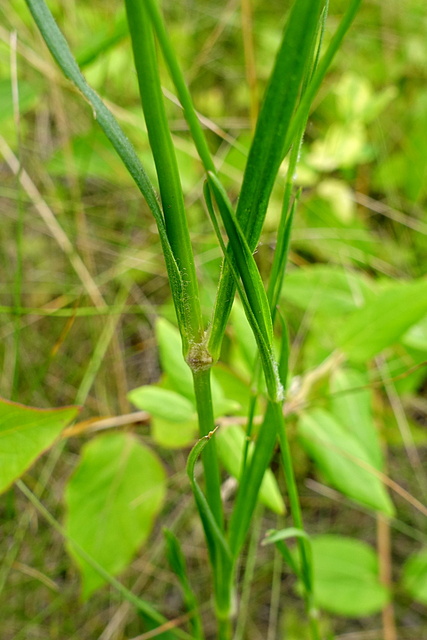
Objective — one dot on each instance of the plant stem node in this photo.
(198, 357)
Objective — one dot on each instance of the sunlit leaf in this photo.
(354, 410)
(346, 577)
(163, 403)
(112, 500)
(343, 460)
(383, 321)
(230, 444)
(327, 289)
(414, 577)
(25, 433)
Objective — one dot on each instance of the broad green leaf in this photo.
(353, 410)
(414, 577)
(163, 403)
(174, 435)
(382, 322)
(172, 360)
(230, 443)
(327, 289)
(174, 417)
(336, 452)
(346, 577)
(416, 337)
(25, 433)
(112, 500)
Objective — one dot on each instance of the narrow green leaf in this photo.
(230, 442)
(284, 353)
(304, 106)
(64, 58)
(346, 577)
(112, 500)
(337, 451)
(251, 480)
(274, 535)
(172, 196)
(180, 85)
(383, 321)
(213, 533)
(246, 265)
(254, 298)
(280, 121)
(280, 258)
(280, 100)
(178, 565)
(25, 433)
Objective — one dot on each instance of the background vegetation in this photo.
(84, 281)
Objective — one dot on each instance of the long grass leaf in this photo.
(250, 482)
(254, 300)
(178, 565)
(152, 100)
(65, 60)
(214, 534)
(244, 259)
(279, 104)
(293, 63)
(304, 107)
(177, 76)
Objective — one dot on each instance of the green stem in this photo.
(202, 390)
(225, 629)
(303, 549)
(222, 565)
(180, 85)
(165, 160)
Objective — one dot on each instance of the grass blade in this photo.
(303, 110)
(65, 60)
(293, 63)
(180, 85)
(280, 101)
(250, 483)
(165, 159)
(214, 534)
(178, 565)
(253, 295)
